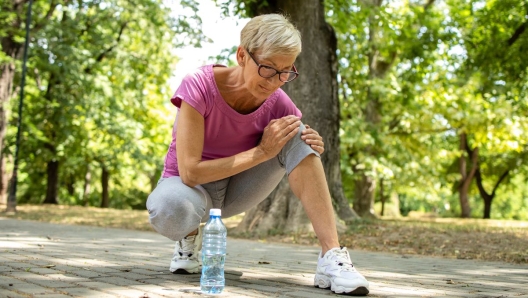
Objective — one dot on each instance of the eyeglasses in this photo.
(266, 71)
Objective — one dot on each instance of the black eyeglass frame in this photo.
(277, 72)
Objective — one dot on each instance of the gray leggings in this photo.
(175, 209)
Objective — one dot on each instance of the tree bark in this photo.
(382, 197)
(280, 212)
(466, 177)
(105, 177)
(53, 183)
(70, 186)
(11, 49)
(5, 178)
(154, 178)
(365, 184)
(488, 197)
(86, 188)
(6, 87)
(315, 94)
(364, 187)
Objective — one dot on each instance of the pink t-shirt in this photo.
(227, 132)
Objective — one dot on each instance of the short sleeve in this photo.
(285, 106)
(192, 90)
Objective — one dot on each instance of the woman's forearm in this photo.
(200, 172)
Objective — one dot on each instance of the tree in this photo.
(98, 77)
(315, 93)
(492, 92)
(466, 177)
(11, 43)
(388, 52)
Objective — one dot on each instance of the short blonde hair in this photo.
(271, 34)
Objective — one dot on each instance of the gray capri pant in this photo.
(175, 209)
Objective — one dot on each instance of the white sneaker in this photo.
(335, 271)
(187, 254)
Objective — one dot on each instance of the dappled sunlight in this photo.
(11, 244)
(503, 223)
(495, 240)
(78, 215)
(101, 261)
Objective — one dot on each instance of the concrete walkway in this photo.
(48, 260)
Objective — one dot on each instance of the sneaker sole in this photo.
(359, 291)
(324, 282)
(185, 267)
(185, 271)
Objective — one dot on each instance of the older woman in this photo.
(235, 136)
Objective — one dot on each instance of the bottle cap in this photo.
(215, 212)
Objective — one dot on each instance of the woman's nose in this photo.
(274, 80)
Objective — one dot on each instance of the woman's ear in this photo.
(241, 56)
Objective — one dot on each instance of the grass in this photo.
(491, 240)
(90, 216)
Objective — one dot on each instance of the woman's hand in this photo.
(277, 134)
(312, 138)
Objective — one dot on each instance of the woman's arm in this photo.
(190, 142)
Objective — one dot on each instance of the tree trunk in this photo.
(6, 87)
(365, 184)
(280, 212)
(488, 198)
(105, 176)
(466, 177)
(364, 196)
(154, 177)
(487, 206)
(53, 183)
(86, 188)
(464, 202)
(315, 94)
(382, 197)
(11, 49)
(5, 177)
(70, 186)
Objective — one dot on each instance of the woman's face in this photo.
(262, 87)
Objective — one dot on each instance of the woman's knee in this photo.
(175, 209)
(295, 151)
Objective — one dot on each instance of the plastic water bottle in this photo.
(213, 254)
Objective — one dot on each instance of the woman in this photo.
(235, 136)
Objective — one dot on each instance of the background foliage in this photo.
(414, 76)
(451, 67)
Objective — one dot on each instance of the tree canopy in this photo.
(433, 100)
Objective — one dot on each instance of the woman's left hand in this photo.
(312, 138)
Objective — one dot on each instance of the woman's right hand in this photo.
(277, 133)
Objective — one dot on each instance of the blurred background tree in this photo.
(433, 93)
(95, 124)
(432, 112)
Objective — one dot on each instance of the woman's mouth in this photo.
(264, 88)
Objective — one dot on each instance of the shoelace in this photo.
(343, 260)
(186, 248)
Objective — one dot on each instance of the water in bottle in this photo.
(213, 254)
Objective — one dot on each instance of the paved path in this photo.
(48, 260)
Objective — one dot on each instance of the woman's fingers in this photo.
(312, 138)
(277, 133)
